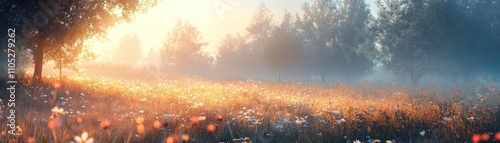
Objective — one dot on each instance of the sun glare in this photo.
(152, 26)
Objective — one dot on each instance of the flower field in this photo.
(97, 109)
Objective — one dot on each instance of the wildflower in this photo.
(485, 137)
(476, 138)
(211, 127)
(105, 124)
(357, 141)
(497, 136)
(422, 133)
(157, 124)
(171, 139)
(139, 120)
(219, 117)
(84, 138)
(19, 130)
(202, 118)
(389, 141)
(53, 123)
(79, 120)
(195, 120)
(140, 129)
(57, 84)
(453, 95)
(377, 141)
(31, 140)
(185, 138)
(57, 111)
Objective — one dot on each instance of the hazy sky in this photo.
(211, 20)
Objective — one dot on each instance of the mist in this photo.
(236, 71)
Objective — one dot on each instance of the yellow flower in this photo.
(139, 120)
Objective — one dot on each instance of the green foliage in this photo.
(452, 37)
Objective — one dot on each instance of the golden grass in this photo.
(196, 110)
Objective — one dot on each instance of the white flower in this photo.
(422, 133)
(58, 110)
(357, 141)
(388, 141)
(84, 138)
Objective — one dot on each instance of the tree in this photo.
(129, 51)
(316, 28)
(352, 45)
(259, 31)
(334, 38)
(452, 37)
(182, 51)
(405, 37)
(232, 53)
(63, 25)
(64, 57)
(475, 36)
(282, 51)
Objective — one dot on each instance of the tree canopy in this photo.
(54, 28)
(182, 51)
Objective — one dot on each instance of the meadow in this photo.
(183, 109)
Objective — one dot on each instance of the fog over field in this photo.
(250, 71)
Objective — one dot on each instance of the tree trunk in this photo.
(37, 74)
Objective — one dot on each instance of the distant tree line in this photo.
(342, 40)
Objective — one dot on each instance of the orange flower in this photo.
(195, 120)
(171, 139)
(157, 124)
(476, 138)
(53, 123)
(219, 117)
(140, 129)
(211, 128)
(79, 120)
(497, 136)
(31, 140)
(57, 84)
(185, 138)
(485, 137)
(105, 124)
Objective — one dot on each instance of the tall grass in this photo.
(195, 110)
